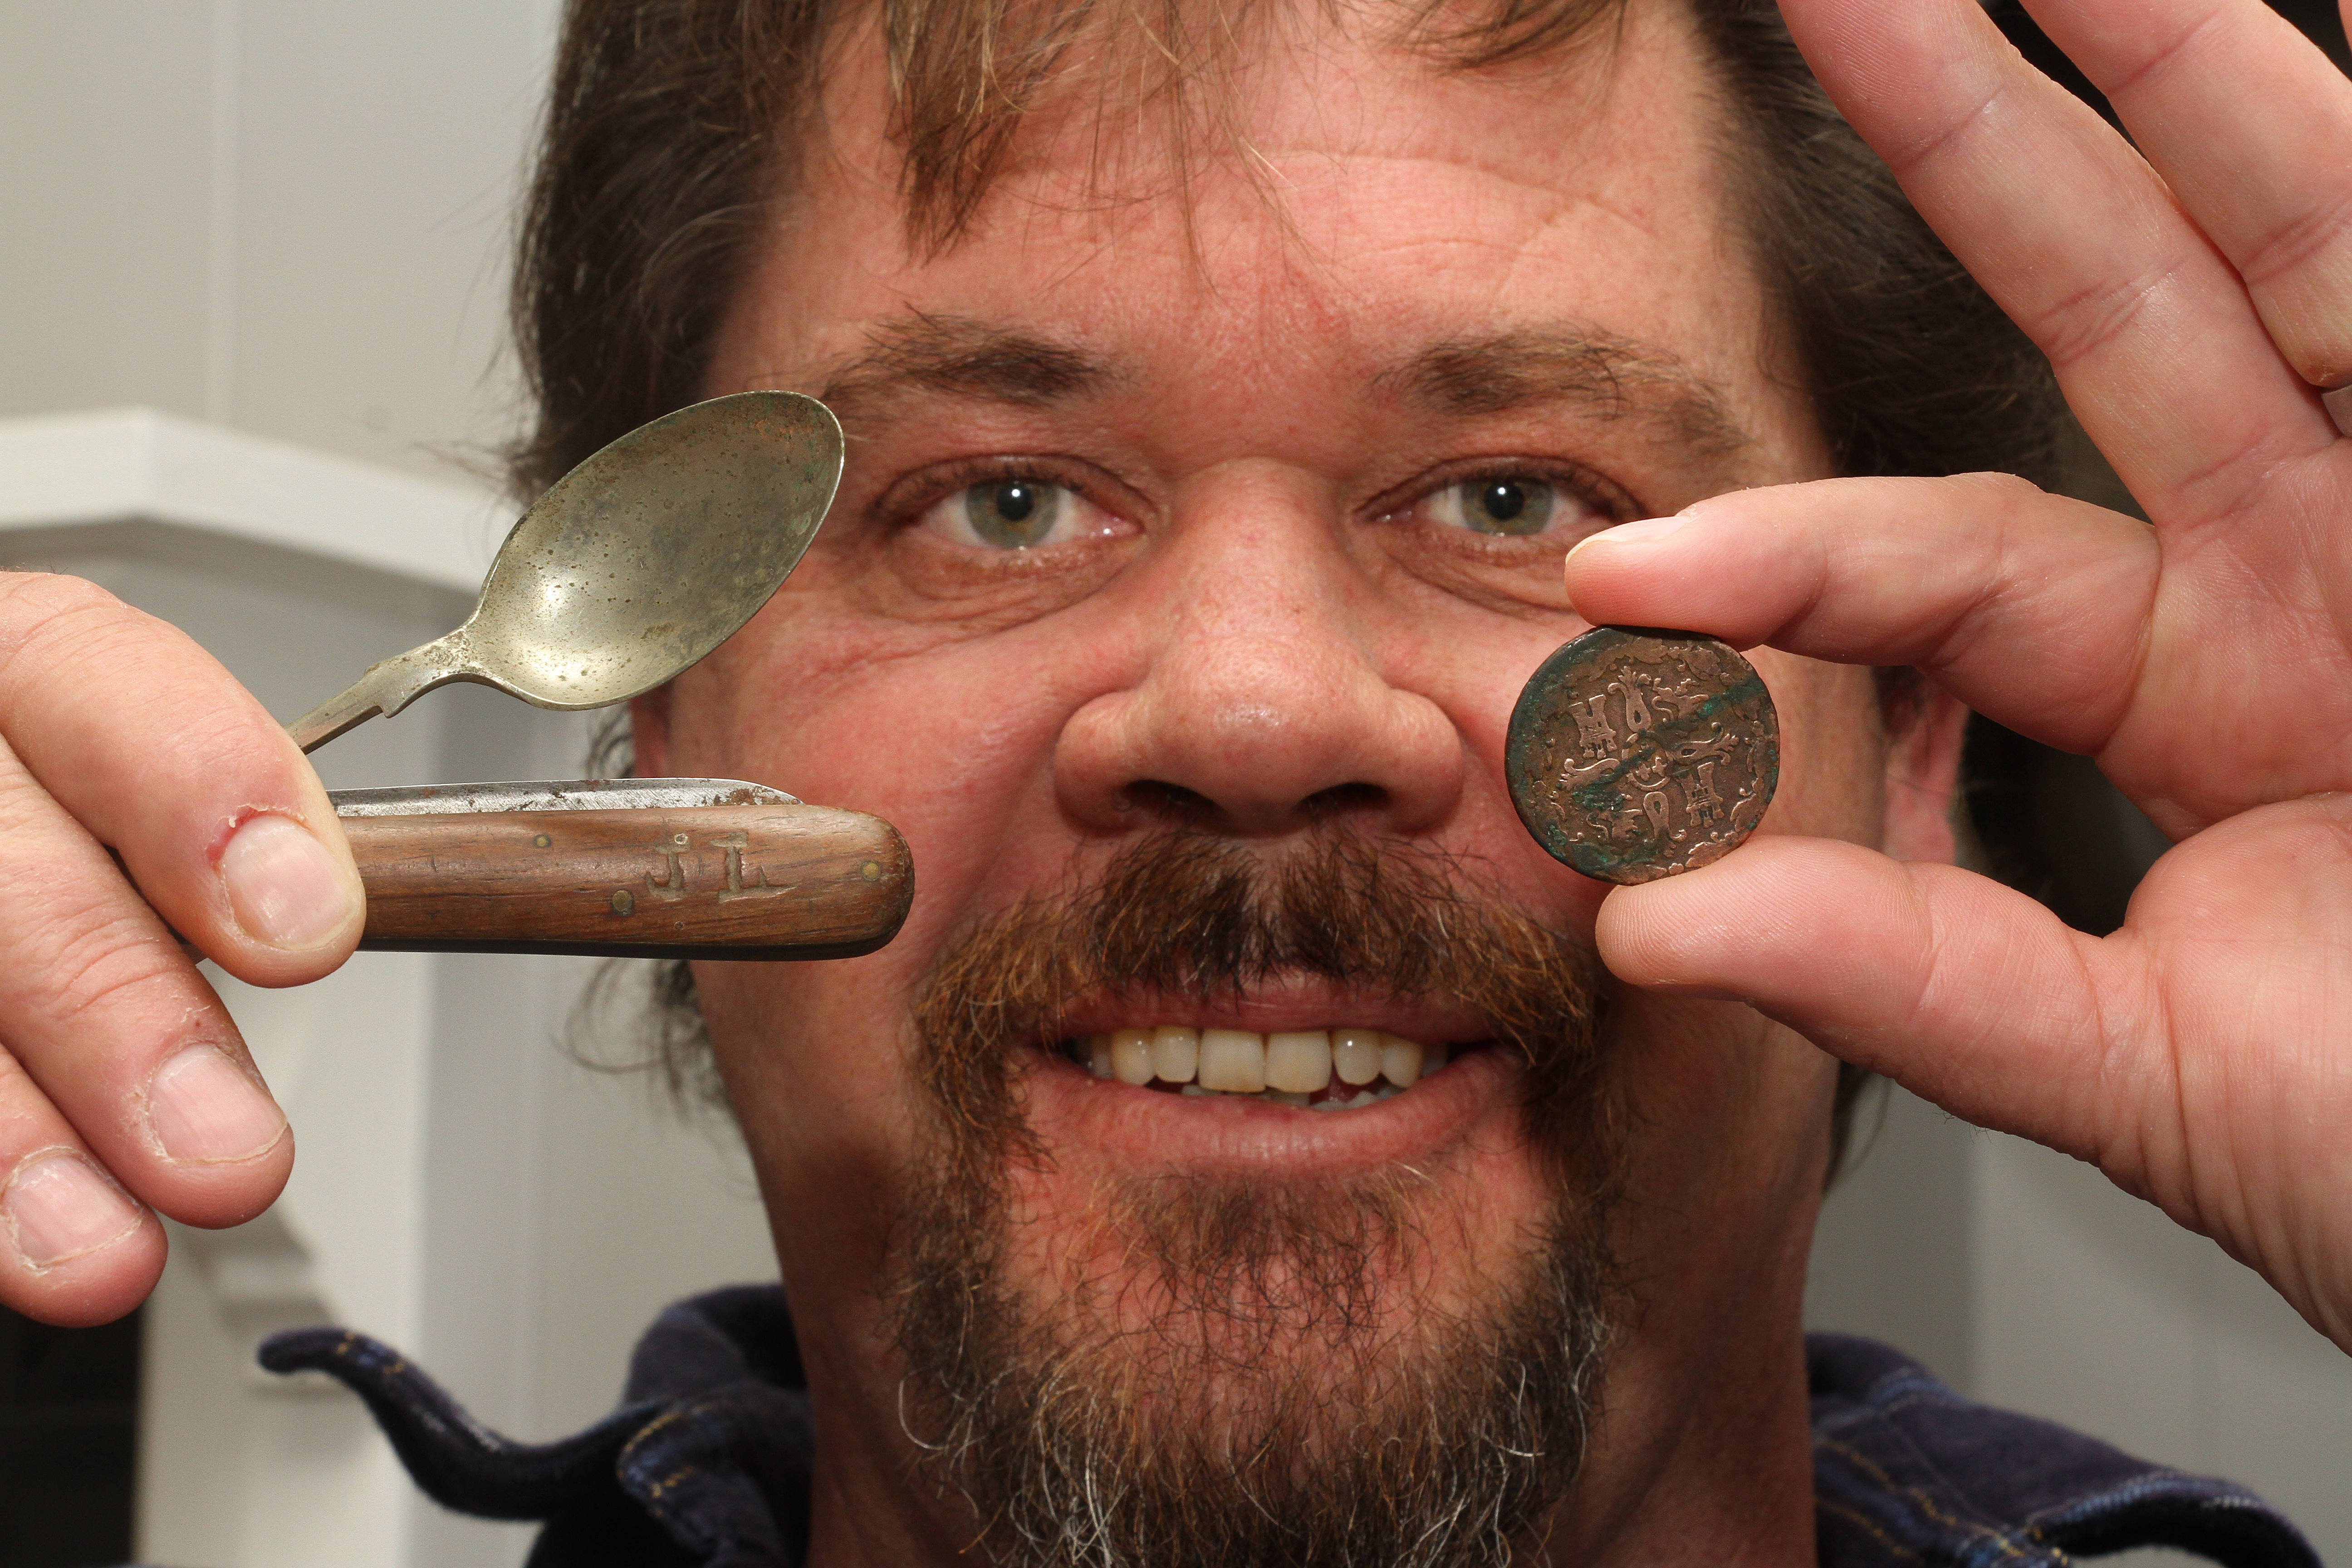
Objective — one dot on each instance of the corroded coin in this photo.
(1634, 754)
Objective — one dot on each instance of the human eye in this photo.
(1516, 505)
(1014, 511)
(1492, 529)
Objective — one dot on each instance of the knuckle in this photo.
(52, 624)
(49, 620)
(1950, 133)
(2298, 242)
(85, 946)
(31, 600)
(21, 589)
(2077, 325)
(226, 741)
(109, 967)
(2179, 49)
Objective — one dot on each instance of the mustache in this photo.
(1205, 918)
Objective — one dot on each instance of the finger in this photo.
(109, 1021)
(221, 822)
(2152, 334)
(2193, 1056)
(2248, 124)
(2029, 607)
(75, 1248)
(1966, 993)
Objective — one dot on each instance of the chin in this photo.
(1301, 1311)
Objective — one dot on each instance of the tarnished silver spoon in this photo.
(632, 566)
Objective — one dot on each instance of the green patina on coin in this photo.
(1634, 754)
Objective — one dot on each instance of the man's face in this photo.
(1227, 524)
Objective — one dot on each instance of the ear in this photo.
(649, 733)
(1923, 771)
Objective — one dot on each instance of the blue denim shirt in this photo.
(707, 1465)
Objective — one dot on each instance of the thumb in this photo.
(1964, 991)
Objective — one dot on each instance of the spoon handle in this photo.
(331, 718)
(388, 686)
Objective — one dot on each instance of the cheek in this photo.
(1833, 758)
(820, 1100)
(1721, 1095)
(951, 741)
(948, 738)
(1727, 1140)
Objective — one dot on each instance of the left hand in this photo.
(2202, 1054)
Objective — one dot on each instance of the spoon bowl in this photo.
(631, 567)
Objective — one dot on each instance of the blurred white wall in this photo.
(290, 218)
(277, 215)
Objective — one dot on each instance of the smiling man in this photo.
(1192, 544)
(1244, 1155)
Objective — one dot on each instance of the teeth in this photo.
(1291, 1067)
(1175, 1055)
(1298, 1063)
(1356, 1055)
(1130, 1056)
(1400, 1061)
(1363, 1098)
(1233, 1061)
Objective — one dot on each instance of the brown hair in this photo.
(669, 127)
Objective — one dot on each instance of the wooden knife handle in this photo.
(709, 881)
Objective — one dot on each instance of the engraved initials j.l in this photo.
(735, 844)
(672, 884)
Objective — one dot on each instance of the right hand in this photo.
(125, 1089)
(2191, 292)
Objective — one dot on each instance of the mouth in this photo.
(1344, 1069)
(1295, 1080)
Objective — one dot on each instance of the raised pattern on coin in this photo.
(1635, 754)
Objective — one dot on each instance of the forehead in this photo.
(1349, 198)
(1348, 204)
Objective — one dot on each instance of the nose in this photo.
(1262, 710)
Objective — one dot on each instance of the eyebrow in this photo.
(1613, 376)
(972, 359)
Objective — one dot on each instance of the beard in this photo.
(1212, 1373)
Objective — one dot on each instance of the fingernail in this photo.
(283, 886)
(58, 1208)
(205, 1109)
